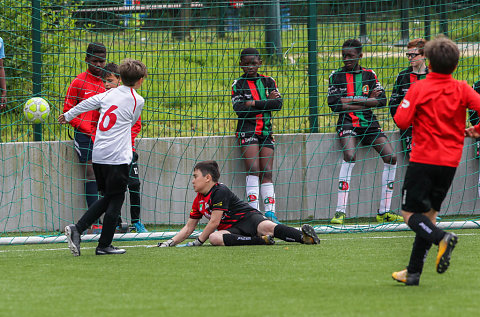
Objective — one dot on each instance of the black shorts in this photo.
(248, 225)
(111, 179)
(366, 135)
(83, 146)
(426, 186)
(133, 179)
(248, 138)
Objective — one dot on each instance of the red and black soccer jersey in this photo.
(359, 83)
(220, 197)
(404, 79)
(256, 119)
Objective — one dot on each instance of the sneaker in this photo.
(139, 227)
(309, 236)
(268, 239)
(73, 239)
(407, 278)
(445, 248)
(271, 216)
(338, 218)
(109, 250)
(389, 217)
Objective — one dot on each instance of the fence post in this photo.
(273, 30)
(427, 22)
(36, 60)
(312, 66)
(404, 17)
(443, 18)
(363, 23)
(181, 29)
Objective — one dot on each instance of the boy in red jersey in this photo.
(254, 97)
(436, 107)
(231, 220)
(84, 86)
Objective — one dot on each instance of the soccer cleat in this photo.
(139, 227)
(73, 239)
(271, 216)
(309, 236)
(338, 218)
(109, 250)
(445, 248)
(407, 278)
(268, 239)
(389, 217)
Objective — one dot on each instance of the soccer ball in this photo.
(36, 110)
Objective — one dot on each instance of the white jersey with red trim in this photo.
(119, 109)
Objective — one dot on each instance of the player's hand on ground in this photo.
(195, 243)
(61, 119)
(472, 133)
(166, 244)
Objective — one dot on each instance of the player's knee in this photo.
(349, 157)
(134, 188)
(390, 159)
(216, 238)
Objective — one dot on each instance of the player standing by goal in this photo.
(352, 92)
(236, 221)
(416, 71)
(119, 109)
(84, 86)
(438, 139)
(254, 97)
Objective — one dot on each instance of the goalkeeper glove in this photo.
(168, 243)
(195, 243)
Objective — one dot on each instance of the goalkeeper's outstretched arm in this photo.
(183, 234)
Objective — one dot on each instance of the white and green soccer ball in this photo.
(36, 110)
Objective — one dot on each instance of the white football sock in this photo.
(344, 185)
(388, 180)
(252, 190)
(268, 196)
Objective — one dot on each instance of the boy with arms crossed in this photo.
(436, 107)
(254, 97)
(111, 79)
(119, 109)
(352, 92)
(416, 71)
(231, 221)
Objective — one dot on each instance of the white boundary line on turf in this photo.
(149, 245)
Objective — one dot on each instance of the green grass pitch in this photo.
(346, 275)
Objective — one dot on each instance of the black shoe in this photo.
(73, 239)
(309, 236)
(445, 248)
(109, 250)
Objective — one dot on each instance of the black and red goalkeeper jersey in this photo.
(404, 79)
(220, 197)
(256, 119)
(359, 83)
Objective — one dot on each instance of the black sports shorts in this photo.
(111, 179)
(252, 138)
(366, 135)
(426, 186)
(248, 225)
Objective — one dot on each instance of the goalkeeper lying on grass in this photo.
(231, 221)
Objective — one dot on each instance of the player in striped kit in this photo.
(353, 90)
(254, 97)
(119, 109)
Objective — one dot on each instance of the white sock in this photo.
(252, 191)
(344, 185)
(268, 196)
(388, 179)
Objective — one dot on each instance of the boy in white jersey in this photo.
(119, 109)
